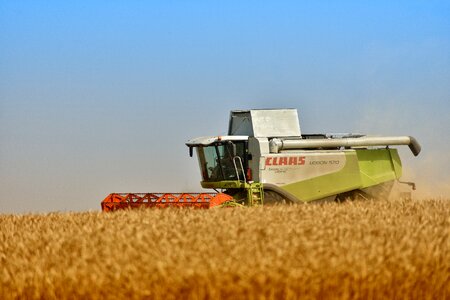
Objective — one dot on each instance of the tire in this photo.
(354, 195)
(273, 198)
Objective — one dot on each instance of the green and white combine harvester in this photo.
(265, 153)
(265, 159)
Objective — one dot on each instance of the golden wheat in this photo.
(355, 250)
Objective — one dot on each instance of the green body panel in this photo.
(225, 184)
(346, 179)
(377, 166)
(363, 168)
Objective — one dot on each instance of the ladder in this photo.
(255, 194)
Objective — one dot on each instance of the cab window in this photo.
(216, 161)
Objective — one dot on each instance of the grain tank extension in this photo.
(265, 158)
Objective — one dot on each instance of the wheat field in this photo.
(354, 250)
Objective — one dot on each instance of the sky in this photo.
(100, 96)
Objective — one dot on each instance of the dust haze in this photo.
(429, 170)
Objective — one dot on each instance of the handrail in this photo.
(242, 167)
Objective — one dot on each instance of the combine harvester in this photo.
(265, 159)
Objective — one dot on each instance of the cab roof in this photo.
(209, 140)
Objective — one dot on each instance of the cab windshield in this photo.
(216, 161)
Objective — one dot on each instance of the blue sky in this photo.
(100, 96)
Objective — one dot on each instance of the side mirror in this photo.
(191, 151)
(233, 149)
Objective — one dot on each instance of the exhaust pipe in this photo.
(276, 144)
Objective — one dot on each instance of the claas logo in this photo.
(285, 161)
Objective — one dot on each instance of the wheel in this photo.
(273, 198)
(352, 196)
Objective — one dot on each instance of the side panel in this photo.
(258, 148)
(378, 165)
(326, 174)
(317, 174)
(275, 122)
(291, 167)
